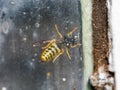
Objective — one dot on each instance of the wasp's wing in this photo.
(44, 44)
(41, 43)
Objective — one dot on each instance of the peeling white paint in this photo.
(115, 21)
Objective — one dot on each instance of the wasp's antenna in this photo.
(56, 27)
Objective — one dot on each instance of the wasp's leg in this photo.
(68, 54)
(71, 32)
(50, 42)
(73, 46)
(58, 55)
(56, 27)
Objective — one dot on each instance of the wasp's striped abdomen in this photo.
(50, 52)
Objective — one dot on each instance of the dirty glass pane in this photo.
(24, 22)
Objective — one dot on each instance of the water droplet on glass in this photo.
(64, 79)
(24, 13)
(37, 25)
(35, 54)
(12, 3)
(33, 59)
(49, 74)
(5, 27)
(66, 28)
(48, 7)
(4, 88)
(26, 27)
(24, 39)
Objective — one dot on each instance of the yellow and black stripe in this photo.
(50, 52)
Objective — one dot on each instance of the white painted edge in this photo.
(87, 40)
(115, 26)
(111, 62)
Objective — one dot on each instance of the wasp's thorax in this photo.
(68, 41)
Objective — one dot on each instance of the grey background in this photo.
(22, 23)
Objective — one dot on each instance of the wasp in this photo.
(56, 47)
